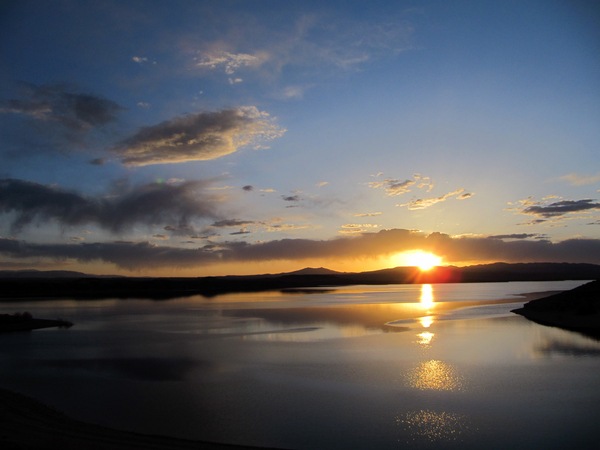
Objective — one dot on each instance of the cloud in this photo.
(230, 61)
(368, 214)
(291, 198)
(428, 202)
(197, 137)
(516, 236)
(146, 204)
(248, 188)
(161, 237)
(286, 227)
(358, 225)
(296, 92)
(139, 60)
(235, 80)
(98, 162)
(235, 223)
(395, 187)
(242, 231)
(64, 105)
(144, 255)
(580, 180)
(465, 195)
(559, 209)
(322, 183)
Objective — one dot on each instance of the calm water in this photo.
(381, 367)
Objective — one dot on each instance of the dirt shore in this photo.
(26, 423)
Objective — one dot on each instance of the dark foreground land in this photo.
(42, 285)
(25, 322)
(577, 310)
(28, 424)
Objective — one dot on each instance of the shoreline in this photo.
(26, 423)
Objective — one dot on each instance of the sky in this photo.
(196, 138)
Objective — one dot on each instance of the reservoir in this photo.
(359, 367)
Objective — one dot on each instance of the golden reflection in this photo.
(427, 296)
(435, 375)
(427, 303)
(426, 321)
(434, 426)
(425, 338)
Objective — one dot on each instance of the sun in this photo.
(422, 260)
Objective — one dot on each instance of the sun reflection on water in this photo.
(427, 303)
(435, 375)
(425, 338)
(434, 426)
(427, 296)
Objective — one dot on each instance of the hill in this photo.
(93, 287)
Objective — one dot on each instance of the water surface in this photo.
(411, 366)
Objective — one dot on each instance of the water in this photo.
(382, 367)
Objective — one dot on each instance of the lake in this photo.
(358, 367)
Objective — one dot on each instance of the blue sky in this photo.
(190, 138)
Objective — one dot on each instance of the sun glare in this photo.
(422, 260)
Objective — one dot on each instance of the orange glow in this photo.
(420, 259)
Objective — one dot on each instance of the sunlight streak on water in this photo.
(433, 426)
(435, 375)
(427, 297)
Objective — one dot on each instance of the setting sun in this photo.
(422, 260)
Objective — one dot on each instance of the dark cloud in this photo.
(242, 231)
(197, 137)
(149, 204)
(144, 255)
(98, 162)
(62, 104)
(235, 223)
(560, 209)
(515, 236)
(248, 188)
(291, 198)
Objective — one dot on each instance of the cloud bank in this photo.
(148, 204)
(144, 255)
(197, 137)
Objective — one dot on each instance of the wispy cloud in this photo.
(197, 137)
(367, 214)
(576, 179)
(230, 62)
(395, 187)
(423, 203)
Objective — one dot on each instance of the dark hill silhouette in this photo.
(577, 309)
(91, 287)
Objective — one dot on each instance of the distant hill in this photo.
(50, 274)
(313, 271)
(31, 284)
